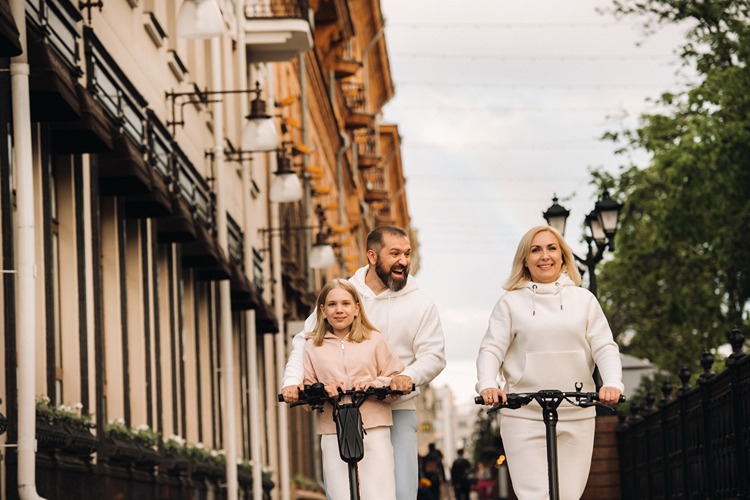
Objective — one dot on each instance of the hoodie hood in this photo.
(367, 293)
(549, 289)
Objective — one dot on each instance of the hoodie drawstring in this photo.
(558, 293)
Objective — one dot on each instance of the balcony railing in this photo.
(57, 21)
(277, 30)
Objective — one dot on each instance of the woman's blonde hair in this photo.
(519, 273)
(361, 327)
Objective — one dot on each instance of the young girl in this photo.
(346, 351)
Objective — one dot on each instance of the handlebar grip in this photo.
(280, 397)
(479, 400)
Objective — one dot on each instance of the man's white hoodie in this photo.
(409, 321)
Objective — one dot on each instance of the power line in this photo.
(570, 86)
(527, 109)
(507, 25)
(501, 57)
(516, 146)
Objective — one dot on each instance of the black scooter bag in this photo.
(350, 433)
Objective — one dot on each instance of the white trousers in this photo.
(526, 451)
(405, 453)
(376, 471)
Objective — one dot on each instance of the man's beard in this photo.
(388, 279)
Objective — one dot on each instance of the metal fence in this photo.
(695, 443)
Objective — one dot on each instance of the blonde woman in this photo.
(345, 351)
(546, 332)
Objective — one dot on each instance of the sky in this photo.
(501, 105)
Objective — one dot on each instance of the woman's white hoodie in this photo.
(548, 336)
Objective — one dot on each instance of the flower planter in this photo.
(50, 437)
(121, 452)
(206, 470)
(245, 477)
(149, 459)
(175, 464)
(82, 443)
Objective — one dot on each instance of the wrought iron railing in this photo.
(354, 97)
(160, 149)
(57, 21)
(111, 87)
(695, 444)
(194, 190)
(267, 9)
(366, 141)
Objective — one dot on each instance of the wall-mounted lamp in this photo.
(322, 254)
(259, 132)
(285, 186)
(199, 19)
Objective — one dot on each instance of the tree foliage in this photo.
(680, 279)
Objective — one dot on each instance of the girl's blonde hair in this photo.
(361, 327)
(519, 273)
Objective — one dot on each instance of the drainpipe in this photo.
(252, 333)
(229, 425)
(269, 342)
(340, 174)
(278, 302)
(305, 179)
(26, 270)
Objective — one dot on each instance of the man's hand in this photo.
(291, 393)
(402, 383)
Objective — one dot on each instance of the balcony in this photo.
(355, 101)
(277, 30)
(368, 155)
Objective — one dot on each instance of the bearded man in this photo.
(409, 320)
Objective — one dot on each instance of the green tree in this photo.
(680, 278)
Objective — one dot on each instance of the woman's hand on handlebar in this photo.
(291, 393)
(609, 395)
(493, 396)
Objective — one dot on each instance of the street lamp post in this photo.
(602, 226)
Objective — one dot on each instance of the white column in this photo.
(229, 424)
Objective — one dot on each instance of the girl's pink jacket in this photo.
(338, 360)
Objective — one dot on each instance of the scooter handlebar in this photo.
(516, 400)
(316, 393)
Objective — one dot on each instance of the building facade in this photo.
(149, 275)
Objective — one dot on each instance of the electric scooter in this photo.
(549, 400)
(348, 418)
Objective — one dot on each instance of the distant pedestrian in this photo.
(460, 478)
(432, 467)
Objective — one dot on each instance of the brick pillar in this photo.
(604, 478)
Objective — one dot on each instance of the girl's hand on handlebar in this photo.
(493, 396)
(291, 393)
(333, 389)
(609, 395)
(363, 386)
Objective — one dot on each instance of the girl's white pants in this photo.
(376, 471)
(525, 446)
